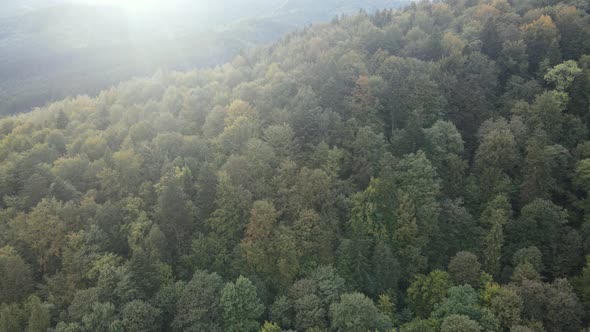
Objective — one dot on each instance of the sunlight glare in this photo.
(133, 5)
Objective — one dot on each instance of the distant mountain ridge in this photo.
(56, 48)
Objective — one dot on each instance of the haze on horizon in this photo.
(51, 49)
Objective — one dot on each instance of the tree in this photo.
(458, 231)
(166, 301)
(39, 319)
(541, 37)
(581, 284)
(43, 231)
(492, 41)
(174, 210)
(563, 75)
(412, 89)
(231, 214)
(442, 139)
(547, 114)
(386, 269)
(497, 150)
(506, 305)
(309, 312)
(402, 207)
(495, 216)
(313, 235)
(426, 291)
(539, 225)
(11, 318)
(366, 150)
(464, 268)
(468, 83)
(459, 323)
(541, 168)
(444, 146)
(281, 139)
(354, 263)
(61, 120)
(82, 302)
(463, 300)
(356, 312)
(329, 284)
(312, 297)
(240, 306)
(420, 325)
(270, 327)
(531, 255)
(145, 274)
(266, 247)
(281, 311)
(141, 316)
(534, 298)
(102, 317)
(16, 280)
(387, 307)
(564, 310)
(198, 308)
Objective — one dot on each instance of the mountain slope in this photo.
(417, 170)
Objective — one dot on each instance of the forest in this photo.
(415, 170)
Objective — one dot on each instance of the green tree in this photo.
(540, 225)
(356, 312)
(541, 37)
(39, 318)
(230, 217)
(463, 300)
(43, 231)
(465, 268)
(495, 216)
(266, 247)
(426, 291)
(102, 317)
(16, 280)
(412, 89)
(240, 306)
(458, 231)
(281, 311)
(11, 318)
(140, 316)
(564, 310)
(309, 309)
(270, 327)
(174, 210)
(563, 75)
(497, 150)
(166, 300)
(145, 274)
(459, 323)
(198, 308)
(531, 255)
(506, 305)
(420, 325)
(366, 151)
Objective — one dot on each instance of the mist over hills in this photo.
(50, 49)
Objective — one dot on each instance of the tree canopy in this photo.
(424, 169)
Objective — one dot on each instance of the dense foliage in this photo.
(417, 170)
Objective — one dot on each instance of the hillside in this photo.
(59, 49)
(418, 170)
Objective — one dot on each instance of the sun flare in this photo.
(133, 5)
